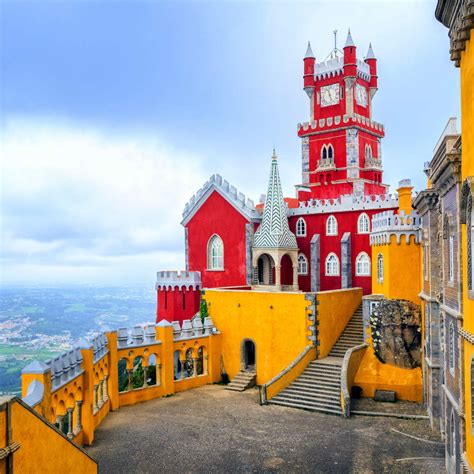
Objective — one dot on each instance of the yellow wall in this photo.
(402, 269)
(467, 170)
(278, 324)
(405, 199)
(335, 309)
(43, 449)
(372, 375)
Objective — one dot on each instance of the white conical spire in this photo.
(309, 52)
(370, 52)
(274, 231)
(349, 40)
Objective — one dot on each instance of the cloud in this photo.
(74, 197)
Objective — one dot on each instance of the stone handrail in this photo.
(291, 371)
(350, 364)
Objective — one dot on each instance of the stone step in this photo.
(324, 369)
(315, 389)
(335, 404)
(323, 375)
(320, 383)
(306, 406)
(310, 395)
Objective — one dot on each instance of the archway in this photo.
(248, 355)
(265, 266)
(286, 271)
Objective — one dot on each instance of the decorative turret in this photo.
(371, 60)
(275, 251)
(308, 78)
(350, 61)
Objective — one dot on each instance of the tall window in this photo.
(451, 345)
(302, 264)
(380, 268)
(330, 152)
(215, 253)
(451, 259)
(332, 265)
(452, 436)
(301, 227)
(368, 152)
(324, 152)
(363, 264)
(331, 226)
(363, 224)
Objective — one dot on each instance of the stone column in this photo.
(78, 427)
(295, 278)
(101, 393)
(278, 276)
(315, 269)
(106, 388)
(129, 372)
(69, 423)
(183, 361)
(96, 397)
(346, 266)
(205, 369)
(158, 374)
(195, 360)
(145, 372)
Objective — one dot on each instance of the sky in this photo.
(113, 113)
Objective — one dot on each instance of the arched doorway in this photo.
(286, 271)
(265, 266)
(248, 355)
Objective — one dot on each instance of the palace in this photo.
(340, 191)
(342, 292)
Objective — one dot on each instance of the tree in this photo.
(203, 310)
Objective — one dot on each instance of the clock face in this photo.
(361, 95)
(329, 95)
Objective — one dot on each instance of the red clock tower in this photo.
(341, 144)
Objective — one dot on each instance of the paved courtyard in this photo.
(210, 429)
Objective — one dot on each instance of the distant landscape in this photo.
(39, 323)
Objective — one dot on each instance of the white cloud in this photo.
(80, 198)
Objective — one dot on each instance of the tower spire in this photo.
(309, 52)
(370, 52)
(349, 40)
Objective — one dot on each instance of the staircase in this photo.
(351, 336)
(318, 388)
(242, 381)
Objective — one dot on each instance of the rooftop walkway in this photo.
(210, 429)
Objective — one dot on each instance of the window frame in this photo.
(451, 348)
(301, 221)
(360, 256)
(362, 216)
(210, 256)
(302, 261)
(337, 264)
(380, 268)
(332, 218)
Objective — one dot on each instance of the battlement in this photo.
(345, 203)
(388, 223)
(236, 198)
(335, 66)
(306, 128)
(171, 279)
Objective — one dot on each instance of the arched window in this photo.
(324, 152)
(331, 226)
(332, 265)
(215, 253)
(330, 152)
(451, 346)
(368, 152)
(380, 268)
(302, 264)
(363, 264)
(363, 224)
(301, 227)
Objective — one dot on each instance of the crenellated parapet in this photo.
(323, 124)
(192, 328)
(335, 66)
(216, 183)
(345, 203)
(172, 279)
(387, 224)
(137, 336)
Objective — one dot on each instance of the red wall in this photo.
(347, 222)
(217, 216)
(177, 304)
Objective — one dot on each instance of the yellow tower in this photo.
(395, 243)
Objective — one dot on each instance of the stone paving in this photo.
(210, 429)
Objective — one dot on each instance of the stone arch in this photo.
(265, 269)
(123, 374)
